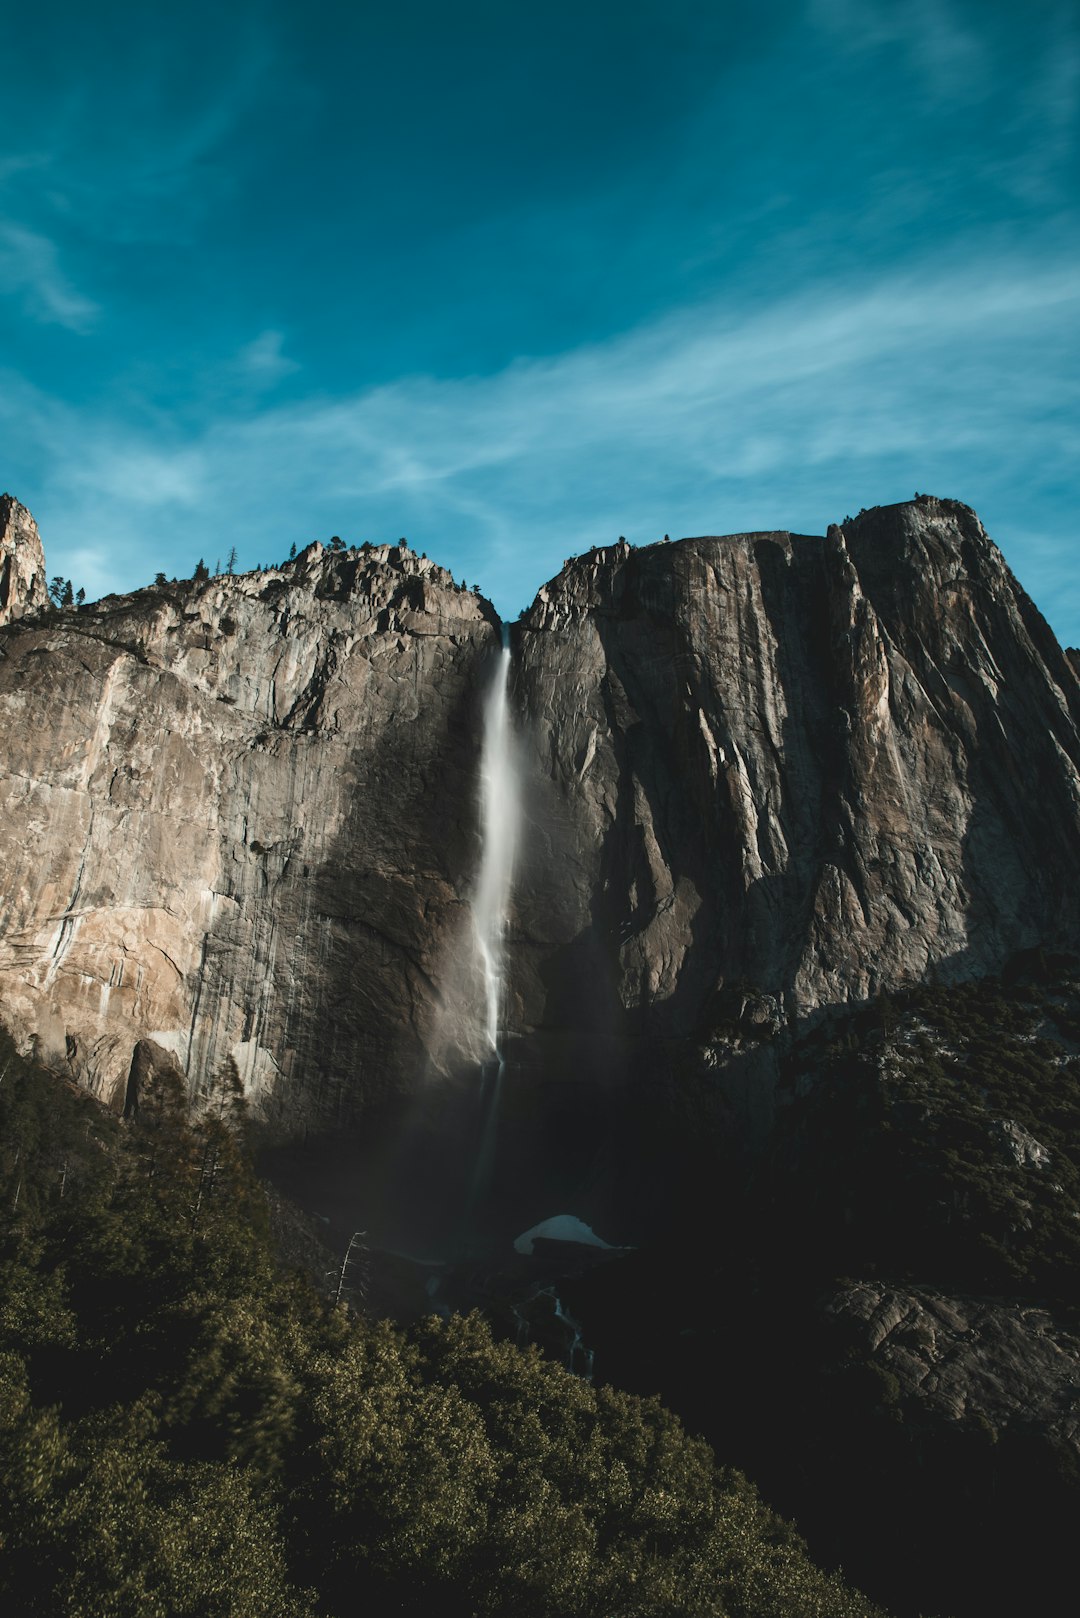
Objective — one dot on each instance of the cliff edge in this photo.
(765, 774)
(239, 827)
(22, 562)
(780, 772)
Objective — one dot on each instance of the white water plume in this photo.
(500, 812)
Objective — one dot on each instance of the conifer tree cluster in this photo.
(63, 594)
(188, 1431)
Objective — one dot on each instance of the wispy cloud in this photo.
(125, 146)
(963, 55)
(703, 421)
(697, 395)
(30, 270)
(140, 477)
(951, 56)
(263, 361)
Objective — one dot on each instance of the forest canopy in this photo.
(187, 1428)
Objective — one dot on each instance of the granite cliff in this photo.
(766, 774)
(239, 825)
(790, 1005)
(782, 772)
(22, 562)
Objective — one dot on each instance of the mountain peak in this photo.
(22, 562)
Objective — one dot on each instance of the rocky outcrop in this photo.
(1007, 1365)
(952, 1426)
(765, 774)
(811, 767)
(22, 562)
(239, 824)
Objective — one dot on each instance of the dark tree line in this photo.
(62, 594)
(188, 1431)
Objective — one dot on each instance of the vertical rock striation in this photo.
(240, 827)
(776, 772)
(22, 562)
(767, 774)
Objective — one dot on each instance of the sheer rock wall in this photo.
(775, 772)
(239, 822)
(764, 774)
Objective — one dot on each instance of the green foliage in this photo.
(186, 1430)
(99, 1522)
(897, 1152)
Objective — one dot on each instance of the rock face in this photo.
(239, 824)
(1015, 1367)
(811, 768)
(962, 1450)
(22, 562)
(764, 774)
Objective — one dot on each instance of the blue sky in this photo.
(514, 279)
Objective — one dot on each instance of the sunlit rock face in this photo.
(774, 772)
(22, 562)
(239, 821)
(759, 776)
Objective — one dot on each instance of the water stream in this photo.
(446, 1228)
(500, 816)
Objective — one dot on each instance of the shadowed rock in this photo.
(240, 821)
(765, 774)
(814, 768)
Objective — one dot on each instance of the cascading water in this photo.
(500, 813)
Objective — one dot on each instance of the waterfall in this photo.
(500, 810)
(499, 815)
